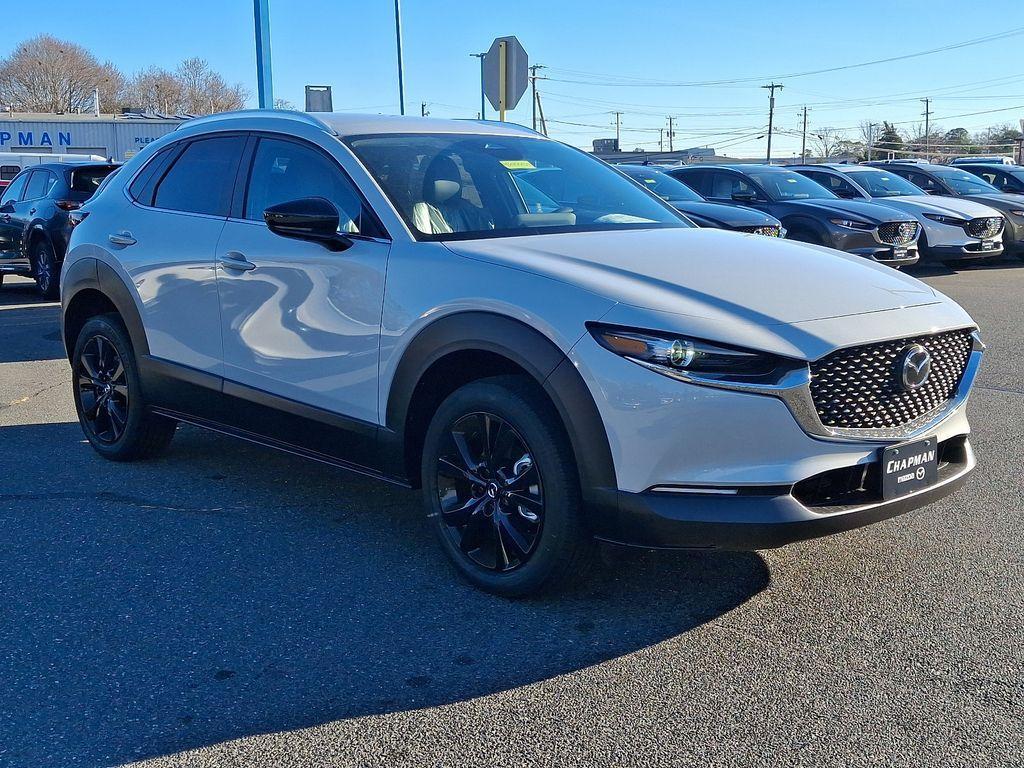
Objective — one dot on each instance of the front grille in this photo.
(767, 231)
(898, 232)
(861, 388)
(985, 227)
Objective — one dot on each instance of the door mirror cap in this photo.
(310, 218)
(744, 197)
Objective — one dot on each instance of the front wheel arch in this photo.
(509, 346)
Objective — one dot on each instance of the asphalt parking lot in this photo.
(227, 605)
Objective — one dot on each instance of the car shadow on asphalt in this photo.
(226, 590)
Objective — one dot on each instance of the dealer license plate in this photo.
(909, 467)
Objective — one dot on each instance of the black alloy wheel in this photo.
(490, 492)
(501, 488)
(47, 271)
(112, 409)
(102, 384)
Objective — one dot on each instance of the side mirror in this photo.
(310, 218)
(7, 207)
(744, 196)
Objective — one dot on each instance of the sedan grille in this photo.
(767, 231)
(862, 387)
(985, 227)
(898, 232)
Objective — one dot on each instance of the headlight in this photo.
(952, 221)
(687, 358)
(852, 224)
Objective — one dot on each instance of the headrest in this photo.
(442, 180)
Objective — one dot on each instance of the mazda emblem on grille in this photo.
(915, 367)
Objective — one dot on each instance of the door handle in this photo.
(31, 211)
(124, 237)
(237, 261)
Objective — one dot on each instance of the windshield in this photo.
(661, 184)
(880, 184)
(458, 187)
(964, 183)
(786, 185)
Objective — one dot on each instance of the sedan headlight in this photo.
(853, 224)
(688, 358)
(953, 221)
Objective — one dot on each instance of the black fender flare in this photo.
(92, 274)
(540, 358)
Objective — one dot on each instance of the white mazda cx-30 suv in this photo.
(384, 294)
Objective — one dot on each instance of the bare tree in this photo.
(155, 90)
(203, 90)
(46, 74)
(827, 141)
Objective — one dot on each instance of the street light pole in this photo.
(483, 101)
(264, 79)
(401, 73)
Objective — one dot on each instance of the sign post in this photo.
(264, 79)
(505, 74)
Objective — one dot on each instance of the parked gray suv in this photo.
(375, 293)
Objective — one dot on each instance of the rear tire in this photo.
(46, 268)
(108, 395)
(501, 489)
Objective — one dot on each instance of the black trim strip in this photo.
(252, 437)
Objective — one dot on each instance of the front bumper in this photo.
(972, 250)
(888, 254)
(744, 518)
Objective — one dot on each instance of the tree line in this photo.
(884, 139)
(46, 74)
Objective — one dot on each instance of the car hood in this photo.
(1000, 201)
(709, 273)
(725, 215)
(872, 211)
(949, 206)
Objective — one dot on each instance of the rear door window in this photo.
(39, 183)
(202, 178)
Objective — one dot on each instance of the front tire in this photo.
(47, 269)
(108, 395)
(501, 489)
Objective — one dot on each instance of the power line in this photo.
(627, 81)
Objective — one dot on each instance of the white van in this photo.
(11, 163)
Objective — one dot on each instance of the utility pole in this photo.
(661, 139)
(424, 112)
(401, 73)
(483, 108)
(803, 140)
(543, 122)
(927, 127)
(771, 115)
(871, 139)
(533, 86)
(618, 126)
(671, 133)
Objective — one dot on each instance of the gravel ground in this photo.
(228, 606)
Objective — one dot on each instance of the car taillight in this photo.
(69, 205)
(77, 217)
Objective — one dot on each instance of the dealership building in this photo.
(118, 137)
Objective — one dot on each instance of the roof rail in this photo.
(241, 114)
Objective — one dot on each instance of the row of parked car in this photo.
(891, 212)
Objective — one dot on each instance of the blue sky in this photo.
(622, 56)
